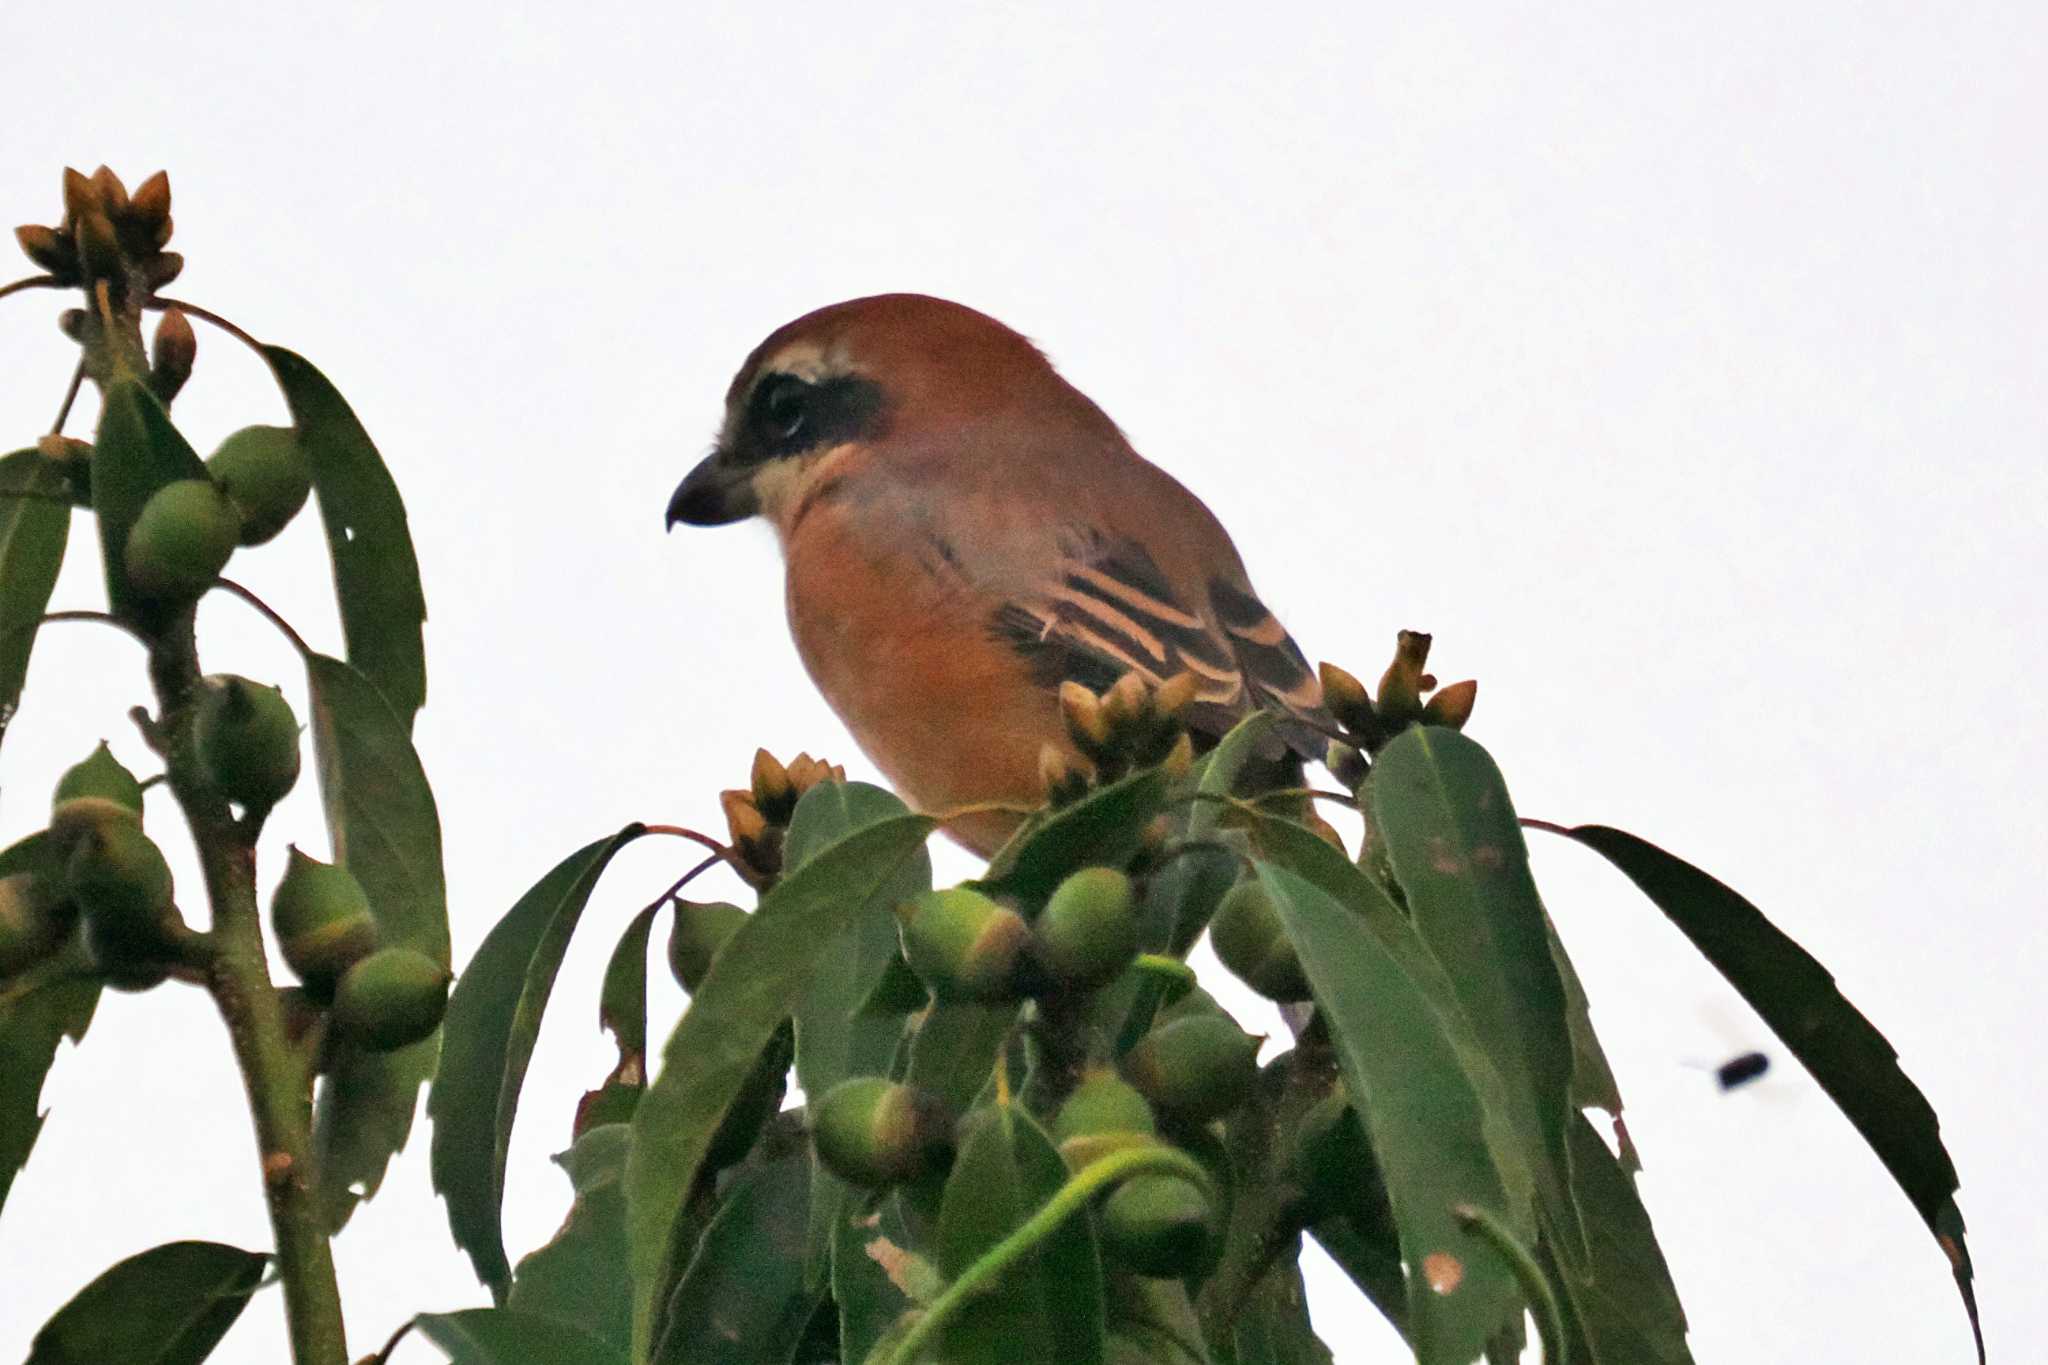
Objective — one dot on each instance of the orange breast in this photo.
(900, 646)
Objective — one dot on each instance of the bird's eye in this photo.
(784, 407)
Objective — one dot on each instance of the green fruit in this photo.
(392, 997)
(1158, 1225)
(699, 930)
(1103, 1103)
(182, 540)
(877, 1133)
(1333, 1160)
(122, 887)
(1250, 940)
(322, 920)
(32, 921)
(1199, 1066)
(264, 473)
(1087, 933)
(99, 776)
(964, 945)
(247, 741)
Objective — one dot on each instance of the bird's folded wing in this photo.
(1108, 610)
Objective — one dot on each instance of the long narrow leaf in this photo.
(743, 1300)
(1854, 1063)
(386, 830)
(1425, 1120)
(38, 1010)
(376, 573)
(579, 1276)
(33, 532)
(753, 985)
(487, 1040)
(504, 1336)
(135, 452)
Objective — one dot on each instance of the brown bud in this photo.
(1066, 777)
(79, 196)
(1124, 703)
(1452, 705)
(55, 447)
(71, 322)
(54, 251)
(774, 794)
(98, 249)
(1180, 759)
(1345, 695)
(160, 269)
(171, 354)
(1173, 697)
(742, 817)
(1402, 685)
(151, 202)
(111, 193)
(1346, 764)
(1082, 711)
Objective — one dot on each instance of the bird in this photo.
(963, 531)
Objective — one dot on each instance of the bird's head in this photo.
(896, 375)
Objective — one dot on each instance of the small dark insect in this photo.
(1740, 1071)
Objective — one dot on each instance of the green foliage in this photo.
(169, 1305)
(35, 523)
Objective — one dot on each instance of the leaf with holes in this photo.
(376, 573)
(579, 1277)
(487, 1040)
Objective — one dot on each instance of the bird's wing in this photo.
(1107, 609)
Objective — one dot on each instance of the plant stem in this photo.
(274, 1073)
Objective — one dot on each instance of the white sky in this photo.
(1682, 372)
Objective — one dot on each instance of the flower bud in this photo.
(111, 193)
(1179, 763)
(100, 778)
(150, 207)
(964, 945)
(247, 741)
(775, 796)
(99, 250)
(1404, 682)
(123, 889)
(79, 196)
(182, 539)
(171, 354)
(1088, 932)
(265, 475)
(1197, 1066)
(1251, 941)
(1081, 709)
(1065, 776)
(876, 1133)
(1172, 698)
(1125, 703)
(1346, 698)
(393, 997)
(160, 269)
(1452, 706)
(322, 920)
(1158, 1225)
(699, 930)
(50, 249)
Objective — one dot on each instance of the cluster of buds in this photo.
(1400, 703)
(113, 238)
(758, 814)
(1135, 724)
(107, 234)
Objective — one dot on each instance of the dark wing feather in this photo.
(1109, 610)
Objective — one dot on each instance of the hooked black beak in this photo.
(715, 493)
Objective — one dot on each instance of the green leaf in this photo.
(1222, 768)
(385, 829)
(743, 1300)
(954, 1048)
(1854, 1063)
(622, 1002)
(33, 532)
(504, 1336)
(1049, 1305)
(835, 1036)
(487, 1040)
(1422, 1112)
(878, 1274)
(169, 1305)
(1457, 851)
(580, 1276)
(1371, 1258)
(46, 1004)
(136, 452)
(1619, 1297)
(1273, 1328)
(376, 574)
(755, 982)
(1103, 828)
